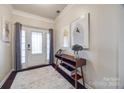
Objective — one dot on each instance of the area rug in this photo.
(40, 78)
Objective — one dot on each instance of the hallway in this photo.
(62, 43)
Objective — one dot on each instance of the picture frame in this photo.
(66, 36)
(80, 31)
(5, 25)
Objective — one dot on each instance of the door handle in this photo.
(29, 47)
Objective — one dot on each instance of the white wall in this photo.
(32, 22)
(121, 50)
(101, 70)
(5, 49)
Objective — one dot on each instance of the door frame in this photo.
(43, 31)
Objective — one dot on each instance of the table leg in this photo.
(76, 78)
(82, 76)
(56, 63)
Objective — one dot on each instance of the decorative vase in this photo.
(76, 48)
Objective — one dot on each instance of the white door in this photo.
(35, 47)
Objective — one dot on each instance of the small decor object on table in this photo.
(59, 51)
(76, 48)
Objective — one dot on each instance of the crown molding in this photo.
(64, 11)
(32, 16)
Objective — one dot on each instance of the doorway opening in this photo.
(35, 44)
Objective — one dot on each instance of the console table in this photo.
(71, 63)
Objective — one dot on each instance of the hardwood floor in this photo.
(10, 79)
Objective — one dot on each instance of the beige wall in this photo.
(5, 49)
(102, 58)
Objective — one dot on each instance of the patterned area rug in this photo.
(41, 78)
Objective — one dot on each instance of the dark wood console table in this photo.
(70, 62)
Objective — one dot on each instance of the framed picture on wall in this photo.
(80, 31)
(5, 31)
(66, 37)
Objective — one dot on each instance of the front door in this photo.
(35, 47)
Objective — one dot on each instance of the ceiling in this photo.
(43, 10)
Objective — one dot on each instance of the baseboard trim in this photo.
(5, 78)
